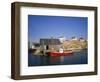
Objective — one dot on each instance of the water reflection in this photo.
(77, 58)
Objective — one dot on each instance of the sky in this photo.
(55, 26)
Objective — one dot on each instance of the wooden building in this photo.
(50, 44)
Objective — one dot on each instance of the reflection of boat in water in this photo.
(61, 54)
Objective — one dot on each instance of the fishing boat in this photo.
(61, 53)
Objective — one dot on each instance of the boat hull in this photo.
(60, 54)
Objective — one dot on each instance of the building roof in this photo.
(50, 42)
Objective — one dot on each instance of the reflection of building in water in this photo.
(50, 44)
(62, 58)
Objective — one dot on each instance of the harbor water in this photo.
(79, 57)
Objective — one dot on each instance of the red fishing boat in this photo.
(61, 54)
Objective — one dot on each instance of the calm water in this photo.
(76, 58)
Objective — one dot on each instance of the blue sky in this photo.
(56, 26)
